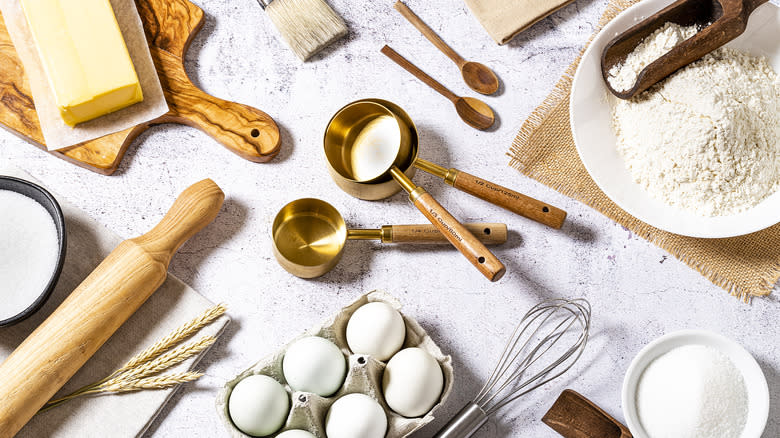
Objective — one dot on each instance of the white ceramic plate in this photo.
(757, 388)
(596, 143)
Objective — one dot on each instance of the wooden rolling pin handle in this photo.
(511, 200)
(476, 252)
(56, 350)
(487, 233)
(195, 208)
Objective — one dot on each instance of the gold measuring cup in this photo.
(407, 159)
(309, 236)
(366, 146)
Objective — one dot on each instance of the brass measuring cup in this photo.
(309, 236)
(481, 188)
(366, 146)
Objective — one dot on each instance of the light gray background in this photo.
(638, 291)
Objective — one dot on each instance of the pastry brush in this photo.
(307, 26)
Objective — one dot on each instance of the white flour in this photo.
(693, 391)
(622, 76)
(28, 252)
(706, 138)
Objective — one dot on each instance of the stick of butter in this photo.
(84, 56)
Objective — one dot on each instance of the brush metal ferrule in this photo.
(465, 423)
(264, 3)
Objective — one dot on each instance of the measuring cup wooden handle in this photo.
(511, 200)
(476, 253)
(487, 233)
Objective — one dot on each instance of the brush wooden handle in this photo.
(419, 74)
(511, 200)
(487, 233)
(50, 356)
(428, 33)
(474, 250)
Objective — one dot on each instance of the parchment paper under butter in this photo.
(122, 415)
(56, 133)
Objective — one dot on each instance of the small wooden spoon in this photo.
(478, 77)
(474, 112)
(728, 17)
(574, 416)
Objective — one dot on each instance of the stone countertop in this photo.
(637, 290)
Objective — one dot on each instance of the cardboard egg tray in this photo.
(364, 375)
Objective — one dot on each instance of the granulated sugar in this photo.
(28, 252)
(693, 391)
(707, 138)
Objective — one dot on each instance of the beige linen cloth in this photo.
(745, 266)
(504, 19)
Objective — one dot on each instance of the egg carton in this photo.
(364, 375)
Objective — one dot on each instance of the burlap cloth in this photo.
(544, 150)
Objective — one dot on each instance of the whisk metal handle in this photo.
(465, 423)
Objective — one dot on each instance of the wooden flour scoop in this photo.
(720, 21)
(170, 26)
(53, 353)
(574, 416)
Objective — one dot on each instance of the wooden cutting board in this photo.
(170, 27)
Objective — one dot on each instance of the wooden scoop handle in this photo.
(53, 353)
(487, 233)
(511, 200)
(474, 250)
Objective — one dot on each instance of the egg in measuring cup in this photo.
(376, 329)
(356, 415)
(258, 405)
(314, 364)
(412, 382)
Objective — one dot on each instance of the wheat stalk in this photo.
(134, 375)
(165, 360)
(175, 337)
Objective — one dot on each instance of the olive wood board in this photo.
(170, 26)
(124, 415)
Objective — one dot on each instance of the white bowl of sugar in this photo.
(597, 144)
(695, 384)
(32, 248)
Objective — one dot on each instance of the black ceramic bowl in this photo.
(41, 196)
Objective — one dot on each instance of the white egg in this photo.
(376, 329)
(412, 382)
(296, 433)
(356, 415)
(314, 364)
(258, 405)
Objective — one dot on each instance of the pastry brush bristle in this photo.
(307, 26)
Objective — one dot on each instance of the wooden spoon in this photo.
(574, 416)
(474, 112)
(478, 77)
(728, 17)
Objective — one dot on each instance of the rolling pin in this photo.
(53, 353)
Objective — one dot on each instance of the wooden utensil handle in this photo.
(419, 74)
(50, 356)
(511, 200)
(245, 131)
(428, 33)
(476, 253)
(487, 233)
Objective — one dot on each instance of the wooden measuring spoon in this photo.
(728, 20)
(478, 77)
(474, 112)
(574, 416)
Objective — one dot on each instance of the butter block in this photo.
(84, 57)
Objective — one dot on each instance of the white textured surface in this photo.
(638, 292)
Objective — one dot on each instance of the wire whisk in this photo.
(546, 343)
